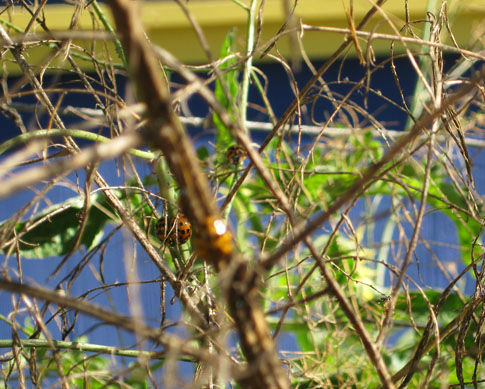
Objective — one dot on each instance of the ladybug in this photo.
(179, 232)
(384, 299)
(235, 154)
(214, 241)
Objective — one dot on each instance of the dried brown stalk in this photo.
(164, 131)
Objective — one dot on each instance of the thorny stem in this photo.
(108, 27)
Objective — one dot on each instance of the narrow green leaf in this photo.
(231, 83)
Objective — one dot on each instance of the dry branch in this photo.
(164, 131)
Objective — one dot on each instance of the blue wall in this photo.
(280, 94)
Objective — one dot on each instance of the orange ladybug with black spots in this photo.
(179, 231)
(235, 154)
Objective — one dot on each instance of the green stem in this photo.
(166, 186)
(118, 47)
(11, 324)
(417, 102)
(11, 26)
(249, 63)
(82, 134)
(242, 5)
(86, 347)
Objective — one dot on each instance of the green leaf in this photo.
(203, 153)
(231, 83)
(420, 309)
(137, 378)
(58, 226)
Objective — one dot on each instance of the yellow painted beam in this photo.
(168, 26)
